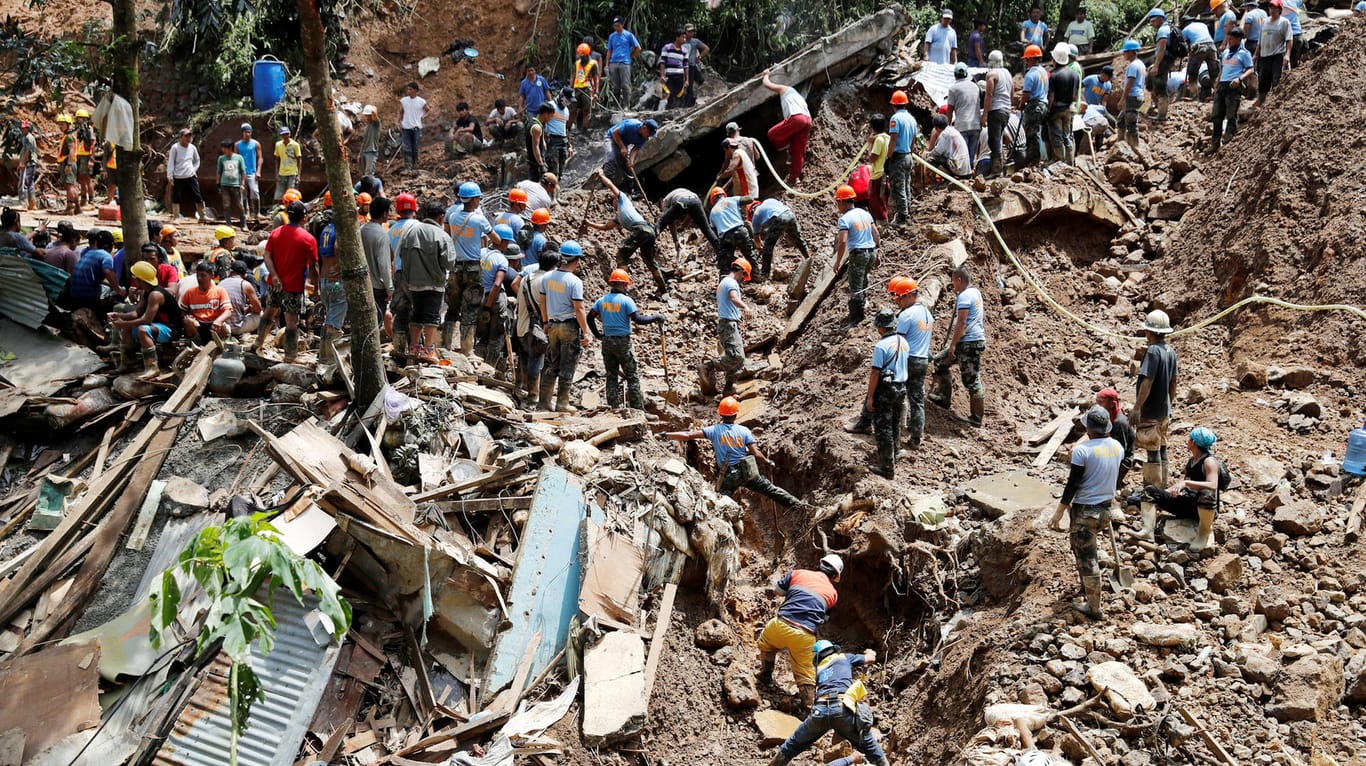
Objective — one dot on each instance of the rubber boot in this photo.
(979, 409)
(448, 336)
(562, 403)
(1152, 475)
(291, 344)
(533, 397)
(1149, 512)
(545, 390)
(1206, 535)
(706, 379)
(863, 425)
(128, 354)
(150, 366)
(1131, 140)
(766, 672)
(779, 759)
(466, 340)
(942, 396)
(1089, 605)
(885, 470)
(806, 693)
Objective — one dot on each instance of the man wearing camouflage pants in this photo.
(886, 397)
(730, 306)
(471, 231)
(859, 239)
(967, 341)
(771, 219)
(1089, 492)
(561, 299)
(618, 313)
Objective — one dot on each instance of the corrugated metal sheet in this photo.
(54, 279)
(22, 298)
(293, 677)
(936, 79)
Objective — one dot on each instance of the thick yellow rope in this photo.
(840, 179)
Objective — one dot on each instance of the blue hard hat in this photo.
(652, 125)
(570, 248)
(1203, 437)
(1131, 45)
(469, 190)
(1158, 13)
(502, 230)
(821, 647)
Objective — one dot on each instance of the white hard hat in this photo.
(368, 110)
(832, 562)
(1157, 322)
(1061, 52)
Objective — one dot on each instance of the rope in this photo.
(1064, 312)
(840, 179)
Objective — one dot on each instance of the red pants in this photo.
(793, 132)
(877, 198)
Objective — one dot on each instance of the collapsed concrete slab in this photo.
(1010, 492)
(1024, 202)
(614, 700)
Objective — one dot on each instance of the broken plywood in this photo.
(611, 579)
(614, 700)
(29, 703)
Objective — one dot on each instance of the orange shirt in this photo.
(206, 305)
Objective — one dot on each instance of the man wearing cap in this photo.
(1274, 52)
(730, 306)
(560, 295)
(967, 341)
(252, 157)
(471, 231)
(28, 165)
(886, 396)
(997, 108)
(1134, 75)
(85, 151)
(1080, 32)
(496, 272)
(288, 157)
(640, 235)
(182, 172)
(1063, 86)
(794, 131)
(585, 86)
(1033, 30)
(371, 137)
(1292, 10)
(1156, 388)
(697, 50)
(746, 145)
(413, 110)
(1120, 429)
(901, 129)
(1162, 65)
(941, 41)
(618, 313)
(1235, 68)
(291, 252)
(242, 296)
(1253, 19)
(222, 255)
(623, 143)
(622, 47)
(857, 238)
(675, 206)
(1034, 115)
(965, 109)
(771, 219)
(916, 325)
(206, 306)
(1095, 91)
(837, 709)
(737, 465)
(1088, 495)
(155, 319)
(1203, 50)
(737, 170)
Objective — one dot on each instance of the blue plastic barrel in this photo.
(267, 82)
(1355, 460)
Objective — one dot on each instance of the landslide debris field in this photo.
(1252, 651)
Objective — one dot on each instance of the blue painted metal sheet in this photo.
(544, 596)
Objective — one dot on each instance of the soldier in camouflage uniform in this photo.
(770, 220)
(618, 312)
(1088, 495)
(858, 239)
(737, 455)
(640, 234)
(967, 340)
(886, 397)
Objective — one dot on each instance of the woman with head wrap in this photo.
(1195, 495)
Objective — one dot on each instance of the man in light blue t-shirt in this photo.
(967, 341)
(902, 129)
(1235, 69)
(1134, 77)
(886, 397)
(622, 47)
(1033, 30)
(471, 231)
(560, 295)
(252, 157)
(941, 42)
(640, 234)
(1088, 495)
(737, 454)
(857, 238)
(618, 313)
(730, 307)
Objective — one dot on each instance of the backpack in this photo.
(1225, 478)
(1177, 48)
(524, 237)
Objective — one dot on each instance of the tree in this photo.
(367, 359)
(126, 75)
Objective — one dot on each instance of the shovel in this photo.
(670, 396)
(1123, 577)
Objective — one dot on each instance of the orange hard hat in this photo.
(845, 192)
(540, 216)
(749, 209)
(517, 195)
(327, 198)
(715, 192)
(168, 230)
(619, 275)
(742, 264)
(899, 98)
(584, 49)
(728, 407)
(902, 285)
(291, 195)
(364, 198)
(1033, 52)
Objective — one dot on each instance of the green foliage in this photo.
(234, 563)
(33, 64)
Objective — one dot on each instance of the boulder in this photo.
(183, 497)
(713, 634)
(1294, 377)
(1172, 208)
(1224, 571)
(1181, 634)
(1198, 393)
(774, 727)
(953, 253)
(1356, 679)
(1251, 378)
(1300, 517)
(940, 232)
(1303, 403)
(1120, 173)
(1280, 497)
(1307, 689)
(1125, 693)
(740, 687)
(1273, 604)
(1003, 493)
(1257, 664)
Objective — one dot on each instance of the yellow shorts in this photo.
(779, 635)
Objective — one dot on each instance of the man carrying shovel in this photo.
(1088, 494)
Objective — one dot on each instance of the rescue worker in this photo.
(290, 253)
(495, 274)
(1162, 65)
(1087, 497)
(640, 235)
(1134, 77)
(858, 239)
(155, 319)
(516, 215)
(683, 202)
(374, 242)
(967, 340)
(222, 255)
(728, 221)
(1194, 496)
(1034, 113)
(586, 84)
(1156, 389)
(331, 291)
(532, 237)
(915, 323)
(66, 165)
(902, 129)
(770, 220)
(886, 397)
(561, 299)
(1235, 69)
(618, 313)
(730, 306)
(836, 708)
(808, 596)
(400, 302)
(794, 131)
(623, 144)
(1120, 429)
(28, 165)
(531, 332)
(737, 170)
(471, 231)
(737, 462)
(85, 156)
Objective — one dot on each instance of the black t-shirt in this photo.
(466, 122)
(1062, 86)
(1159, 364)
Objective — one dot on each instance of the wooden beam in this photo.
(1213, 744)
(138, 537)
(484, 504)
(1051, 448)
(666, 611)
(468, 484)
(1354, 518)
(807, 308)
(1072, 729)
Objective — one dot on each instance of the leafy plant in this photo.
(236, 563)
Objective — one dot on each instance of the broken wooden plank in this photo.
(1048, 429)
(1213, 744)
(138, 537)
(1353, 530)
(485, 504)
(666, 611)
(611, 578)
(807, 308)
(1085, 743)
(31, 701)
(507, 700)
(1051, 448)
(467, 484)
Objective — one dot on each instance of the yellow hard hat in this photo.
(81, 113)
(65, 118)
(145, 271)
(118, 236)
(221, 233)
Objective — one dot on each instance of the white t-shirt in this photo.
(508, 114)
(412, 111)
(793, 103)
(536, 197)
